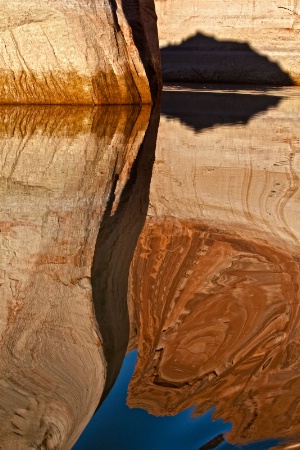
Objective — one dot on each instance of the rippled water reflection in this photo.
(213, 289)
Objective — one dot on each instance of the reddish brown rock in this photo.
(217, 318)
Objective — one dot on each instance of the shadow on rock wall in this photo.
(204, 59)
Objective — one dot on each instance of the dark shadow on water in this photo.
(116, 241)
(204, 59)
(200, 109)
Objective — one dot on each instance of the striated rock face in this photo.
(57, 51)
(222, 41)
(215, 276)
(58, 171)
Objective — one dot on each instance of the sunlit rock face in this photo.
(222, 41)
(59, 168)
(58, 51)
(215, 276)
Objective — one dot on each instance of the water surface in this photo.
(191, 261)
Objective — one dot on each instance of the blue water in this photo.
(117, 427)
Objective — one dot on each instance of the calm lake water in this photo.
(182, 227)
(214, 281)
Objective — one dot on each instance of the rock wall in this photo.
(57, 51)
(59, 167)
(215, 275)
(225, 41)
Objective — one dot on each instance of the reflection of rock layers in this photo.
(218, 325)
(77, 52)
(57, 171)
(241, 176)
(215, 276)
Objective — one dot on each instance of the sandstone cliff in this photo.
(215, 275)
(58, 171)
(77, 51)
(224, 41)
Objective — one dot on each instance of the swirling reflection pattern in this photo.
(215, 276)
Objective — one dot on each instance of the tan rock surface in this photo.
(270, 29)
(77, 51)
(58, 171)
(215, 276)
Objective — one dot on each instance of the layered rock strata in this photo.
(57, 51)
(215, 275)
(59, 167)
(221, 41)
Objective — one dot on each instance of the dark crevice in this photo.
(144, 32)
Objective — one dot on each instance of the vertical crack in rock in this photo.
(142, 18)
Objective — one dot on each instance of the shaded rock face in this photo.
(58, 171)
(232, 42)
(215, 276)
(56, 51)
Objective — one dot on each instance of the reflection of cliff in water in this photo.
(118, 234)
(204, 59)
(200, 109)
(58, 170)
(221, 329)
(215, 275)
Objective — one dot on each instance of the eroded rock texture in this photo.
(57, 51)
(215, 276)
(59, 168)
(222, 41)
